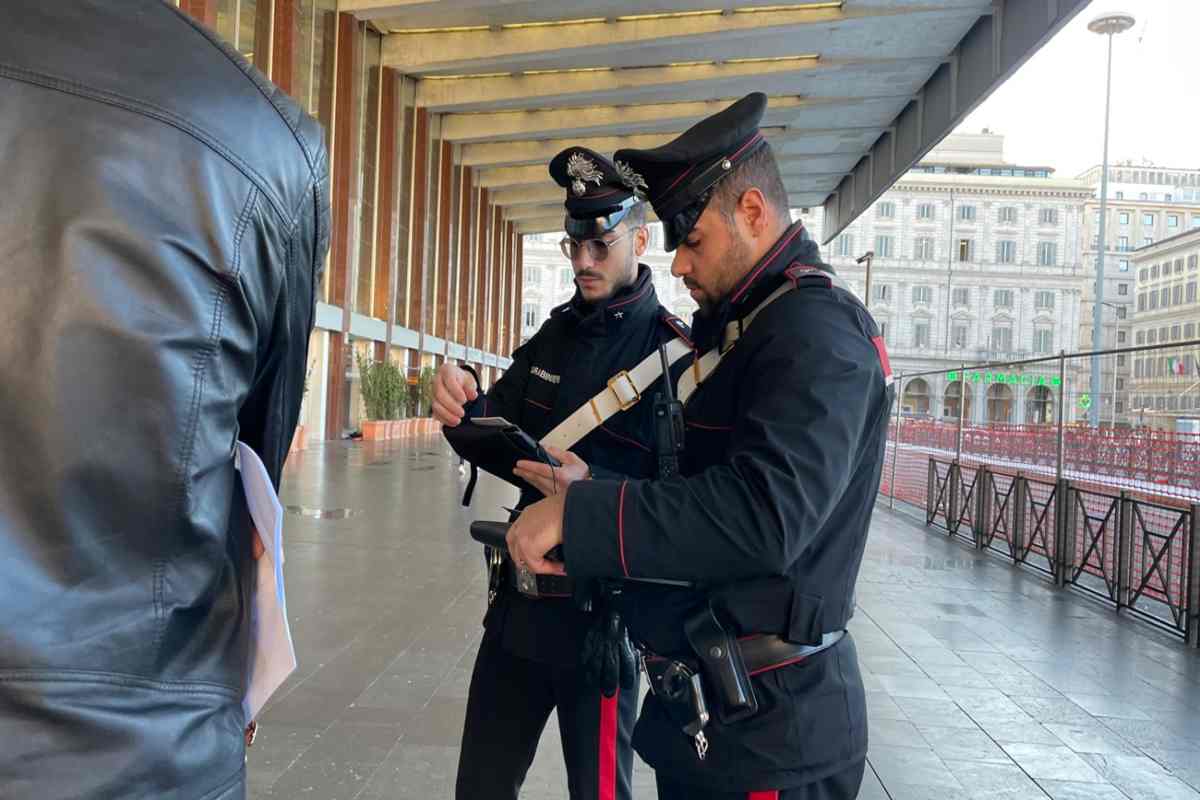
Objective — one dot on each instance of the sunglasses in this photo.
(597, 249)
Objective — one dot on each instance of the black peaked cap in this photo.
(599, 193)
(680, 174)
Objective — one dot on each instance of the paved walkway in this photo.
(983, 680)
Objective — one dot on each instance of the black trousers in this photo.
(840, 786)
(508, 705)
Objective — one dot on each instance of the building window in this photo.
(566, 277)
(1189, 330)
(1143, 274)
(530, 315)
(923, 248)
(1179, 266)
(883, 330)
(1141, 337)
(1152, 336)
(1043, 300)
(886, 210)
(1191, 293)
(1147, 241)
(920, 334)
(1048, 216)
(1123, 265)
(966, 249)
(1001, 338)
(1195, 221)
(883, 246)
(1047, 254)
(926, 211)
(1043, 340)
(1152, 301)
(1008, 215)
(1154, 272)
(1164, 297)
(1123, 244)
(1172, 220)
(1176, 331)
(1192, 262)
(959, 335)
(922, 294)
(966, 213)
(1177, 295)
(1002, 298)
(1123, 217)
(1006, 252)
(1120, 312)
(1121, 338)
(1141, 303)
(881, 293)
(1148, 220)
(1120, 195)
(1122, 288)
(845, 245)
(962, 296)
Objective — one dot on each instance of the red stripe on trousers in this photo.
(608, 746)
(763, 796)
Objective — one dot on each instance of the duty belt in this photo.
(677, 682)
(527, 583)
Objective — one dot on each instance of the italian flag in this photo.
(1175, 366)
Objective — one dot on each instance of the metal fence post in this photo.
(1018, 510)
(962, 408)
(954, 481)
(1062, 395)
(1192, 631)
(931, 492)
(983, 506)
(896, 446)
(1064, 531)
(1125, 552)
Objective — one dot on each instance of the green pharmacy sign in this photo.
(1012, 378)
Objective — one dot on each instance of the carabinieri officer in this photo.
(755, 684)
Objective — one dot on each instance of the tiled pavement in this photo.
(983, 681)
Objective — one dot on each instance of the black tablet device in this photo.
(495, 445)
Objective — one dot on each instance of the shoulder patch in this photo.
(809, 275)
(676, 326)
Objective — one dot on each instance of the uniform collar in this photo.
(634, 302)
(794, 246)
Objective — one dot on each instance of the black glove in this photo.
(608, 658)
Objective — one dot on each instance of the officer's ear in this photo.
(754, 210)
(641, 240)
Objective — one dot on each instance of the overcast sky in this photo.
(1052, 109)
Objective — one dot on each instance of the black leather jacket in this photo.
(163, 224)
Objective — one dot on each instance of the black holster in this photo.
(722, 667)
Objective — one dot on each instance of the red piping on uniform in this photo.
(881, 350)
(763, 796)
(536, 403)
(623, 439)
(675, 182)
(691, 424)
(621, 526)
(637, 296)
(766, 262)
(678, 332)
(608, 747)
(781, 664)
(757, 138)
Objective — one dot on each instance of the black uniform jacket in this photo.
(785, 444)
(163, 226)
(564, 365)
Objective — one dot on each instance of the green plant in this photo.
(425, 391)
(382, 387)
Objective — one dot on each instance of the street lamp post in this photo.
(866, 258)
(1107, 25)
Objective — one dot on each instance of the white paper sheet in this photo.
(272, 657)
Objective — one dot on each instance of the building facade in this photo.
(975, 260)
(1165, 391)
(1146, 204)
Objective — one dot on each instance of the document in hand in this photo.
(272, 657)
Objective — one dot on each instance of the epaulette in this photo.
(675, 325)
(805, 276)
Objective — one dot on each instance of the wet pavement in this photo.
(983, 680)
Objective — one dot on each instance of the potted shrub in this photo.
(382, 387)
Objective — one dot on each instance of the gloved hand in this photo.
(608, 658)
